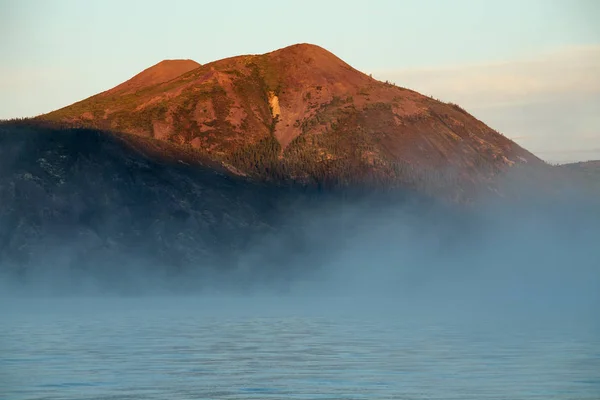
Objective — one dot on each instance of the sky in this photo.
(530, 69)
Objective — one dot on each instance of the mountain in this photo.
(248, 168)
(302, 114)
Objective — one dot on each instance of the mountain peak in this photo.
(306, 48)
(311, 54)
(161, 72)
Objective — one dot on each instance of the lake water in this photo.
(218, 349)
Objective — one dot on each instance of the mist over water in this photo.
(352, 299)
(539, 253)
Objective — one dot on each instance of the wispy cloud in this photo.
(568, 71)
(591, 150)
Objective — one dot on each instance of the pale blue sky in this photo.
(56, 52)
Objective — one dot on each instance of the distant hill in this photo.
(587, 171)
(592, 167)
(301, 113)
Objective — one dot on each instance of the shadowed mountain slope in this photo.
(81, 204)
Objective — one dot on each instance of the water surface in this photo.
(201, 349)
